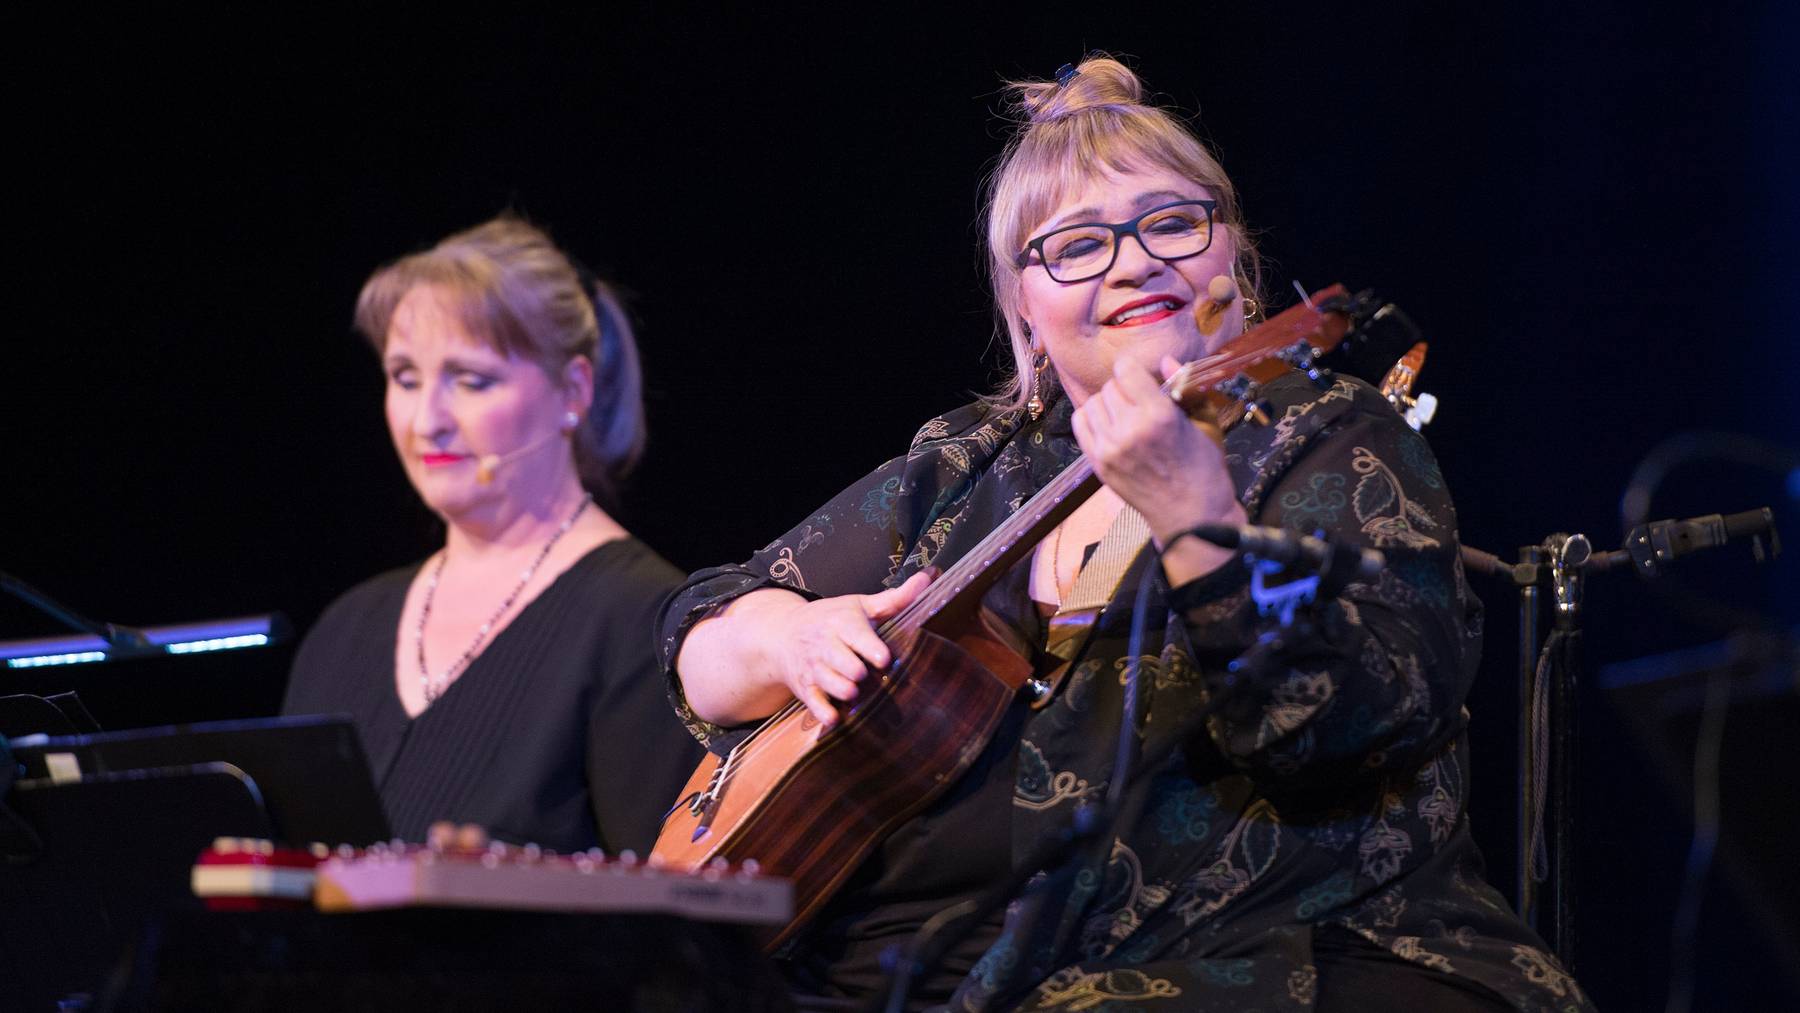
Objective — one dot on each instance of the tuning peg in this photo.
(1304, 357)
(1257, 412)
(1239, 387)
(1420, 410)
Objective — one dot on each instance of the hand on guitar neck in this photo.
(1169, 467)
(772, 646)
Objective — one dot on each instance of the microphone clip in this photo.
(1328, 566)
(1282, 599)
(1654, 546)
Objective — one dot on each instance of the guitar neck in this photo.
(958, 591)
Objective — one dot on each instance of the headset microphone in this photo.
(487, 464)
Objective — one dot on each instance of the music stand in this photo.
(108, 827)
(100, 855)
(57, 714)
(310, 772)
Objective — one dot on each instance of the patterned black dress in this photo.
(1320, 797)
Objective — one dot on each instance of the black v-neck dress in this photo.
(557, 734)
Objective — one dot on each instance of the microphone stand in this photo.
(1547, 675)
(116, 637)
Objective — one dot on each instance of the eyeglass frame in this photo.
(1119, 231)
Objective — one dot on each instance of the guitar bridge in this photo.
(705, 804)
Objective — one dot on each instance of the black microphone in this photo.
(1655, 544)
(1336, 561)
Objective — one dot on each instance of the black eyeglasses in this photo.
(1168, 232)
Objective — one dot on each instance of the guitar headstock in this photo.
(1397, 387)
(1331, 331)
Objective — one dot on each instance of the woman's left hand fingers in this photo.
(1147, 450)
(1128, 414)
(1135, 384)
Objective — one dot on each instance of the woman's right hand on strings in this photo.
(824, 648)
(772, 645)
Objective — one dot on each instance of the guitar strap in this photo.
(1096, 585)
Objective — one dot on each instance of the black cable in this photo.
(1540, 752)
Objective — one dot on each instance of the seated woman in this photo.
(509, 680)
(1299, 839)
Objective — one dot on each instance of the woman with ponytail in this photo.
(1296, 838)
(508, 680)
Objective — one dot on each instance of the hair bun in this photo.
(1098, 81)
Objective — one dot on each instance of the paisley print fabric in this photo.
(1324, 788)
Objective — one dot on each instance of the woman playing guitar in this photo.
(1299, 839)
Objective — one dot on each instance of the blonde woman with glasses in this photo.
(1299, 839)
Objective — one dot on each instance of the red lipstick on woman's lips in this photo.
(441, 460)
(1166, 306)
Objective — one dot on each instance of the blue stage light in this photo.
(42, 660)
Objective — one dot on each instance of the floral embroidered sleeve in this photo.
(892, 522)
(851, 545)
(1379, 680)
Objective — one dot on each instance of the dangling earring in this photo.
(1034, 406)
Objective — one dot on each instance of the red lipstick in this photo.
(1167, 306)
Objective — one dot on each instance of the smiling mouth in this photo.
(1146, 312)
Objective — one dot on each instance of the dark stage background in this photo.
(1589, 213)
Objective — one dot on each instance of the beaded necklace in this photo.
(432, 688)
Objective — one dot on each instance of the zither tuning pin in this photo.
(1257, 412)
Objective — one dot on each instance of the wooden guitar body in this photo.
(809, 805)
